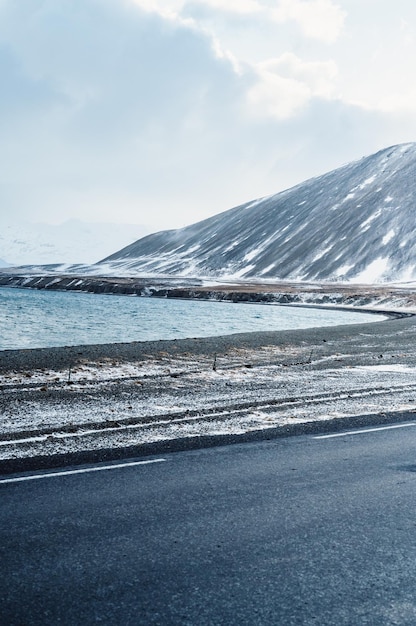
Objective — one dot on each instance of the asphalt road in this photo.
(304, 530)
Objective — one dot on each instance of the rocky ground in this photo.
(117, 398)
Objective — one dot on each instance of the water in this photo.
(37, 319)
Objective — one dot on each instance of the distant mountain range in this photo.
(23, 242)
(356, 223)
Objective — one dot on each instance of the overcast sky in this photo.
(165, 112)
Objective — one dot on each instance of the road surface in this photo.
(305, 530)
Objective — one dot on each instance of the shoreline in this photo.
(349, 295)
(86, 403)
(254, 298)
(74, 404)
(65, 356)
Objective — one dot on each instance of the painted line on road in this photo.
(79, 471)
(366, 430)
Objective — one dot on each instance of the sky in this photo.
(160, 113)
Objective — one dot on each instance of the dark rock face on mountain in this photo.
(356, 223)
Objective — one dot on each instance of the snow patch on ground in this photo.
(366, 224)
(391, 367)
(368, 181)
(106, 402)
(388, 237)
(267, 269)
(343, 270)
(373, 273)
(322, 253)
(251, 255)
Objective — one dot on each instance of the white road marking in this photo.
(79, 471)
(367, 430)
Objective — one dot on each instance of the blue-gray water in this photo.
(36, 319)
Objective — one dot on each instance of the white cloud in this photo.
(286, 84)
(242, 7)
(403, 101)
(169, 9)
(319, 76)
(318, 19)
(407, 33)
(276, 96)
(108, 108)
(175, 7)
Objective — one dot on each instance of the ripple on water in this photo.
(35, 318)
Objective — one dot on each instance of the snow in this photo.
(388, 237)
(373, 273)
(120, 404)
(343, 270)
(243, 271)
(291, 234)
(267, 269)
(407, 275)
(193, 249)
(251, 255)
(391, 367)
(368, 181)
(232, 246)
(322, 253)
(23, 242)
(254, 203)
(365, 225)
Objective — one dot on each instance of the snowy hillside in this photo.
(23, 243)
(354, 224)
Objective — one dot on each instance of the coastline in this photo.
(356, 296)
(74, 404)
(63, 357)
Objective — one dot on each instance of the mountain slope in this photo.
(356, 223)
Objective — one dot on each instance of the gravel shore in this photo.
(60, 358)
(74, 404)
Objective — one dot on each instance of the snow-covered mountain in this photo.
(356, 223)
(22, 242)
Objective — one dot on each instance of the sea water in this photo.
(36, 319)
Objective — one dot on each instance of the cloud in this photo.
(286, 84)
(176, 7)
(319, 76)
(318, 19)
(276, 96)
(103, 96)
(239, 7)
